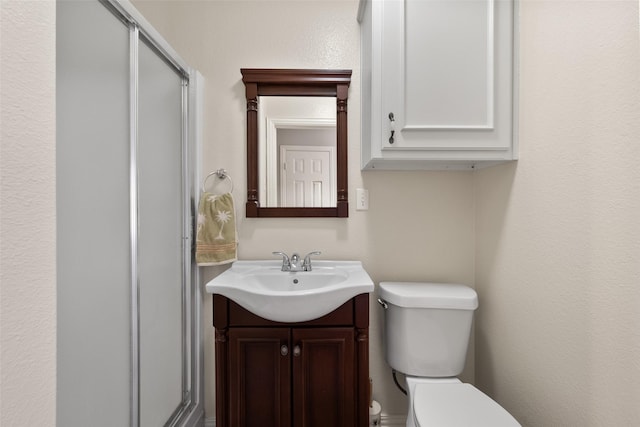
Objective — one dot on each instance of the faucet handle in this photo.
(282, 254)
(286, 264)
(306, 265)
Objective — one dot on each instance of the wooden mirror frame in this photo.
(287, 82)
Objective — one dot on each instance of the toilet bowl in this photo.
(427, 328)
(452, 403)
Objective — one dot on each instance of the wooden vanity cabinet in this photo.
(305, 374)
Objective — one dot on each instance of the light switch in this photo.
(362, 199)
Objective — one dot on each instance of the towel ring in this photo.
(221, 174)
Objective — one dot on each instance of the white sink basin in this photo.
(282, 296)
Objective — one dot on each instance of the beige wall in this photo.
(27, 214)
(558, 234)
(419, 225)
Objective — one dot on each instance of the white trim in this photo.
(308, 123)
(271, 166)
(451, 127)
(515, 79)
(491, 66)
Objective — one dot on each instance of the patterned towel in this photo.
(216, 237)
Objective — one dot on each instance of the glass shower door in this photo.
(160, 243)
(128, 307)
(93, 217)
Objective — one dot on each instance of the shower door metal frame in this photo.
(190, 409)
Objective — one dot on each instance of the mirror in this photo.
(294, 132)
(296, 122)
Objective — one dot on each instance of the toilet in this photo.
(427, 329)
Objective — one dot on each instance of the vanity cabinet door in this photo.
(310, 374)
(438, 83)
(259, 377)
(324, 391)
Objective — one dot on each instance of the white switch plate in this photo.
(362, 199)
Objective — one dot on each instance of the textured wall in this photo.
(27, 214)
(419, 225)
(558, 235)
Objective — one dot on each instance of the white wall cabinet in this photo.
(445, 72)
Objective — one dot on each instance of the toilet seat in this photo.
(457, 405)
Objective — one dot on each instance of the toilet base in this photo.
(411, 388)
(440, 400)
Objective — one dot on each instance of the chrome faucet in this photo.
(293, 263)
(306, 264)
(286, 263)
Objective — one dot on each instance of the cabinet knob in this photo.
(284, 350)
(296, 351)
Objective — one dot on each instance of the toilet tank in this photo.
(427, 327)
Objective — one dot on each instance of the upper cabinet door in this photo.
(438, 83)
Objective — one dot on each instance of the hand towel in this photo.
(216, 236)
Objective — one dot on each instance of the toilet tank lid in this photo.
(429, 295)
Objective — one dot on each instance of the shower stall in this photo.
(129, 350)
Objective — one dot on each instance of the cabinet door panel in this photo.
(259, 377)
(448, 65)
(442, 64)
(324, 377)
(439, 83)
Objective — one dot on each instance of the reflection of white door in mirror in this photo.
(306, 176)
(308, 121)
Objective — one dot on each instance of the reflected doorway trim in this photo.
(269, 161)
